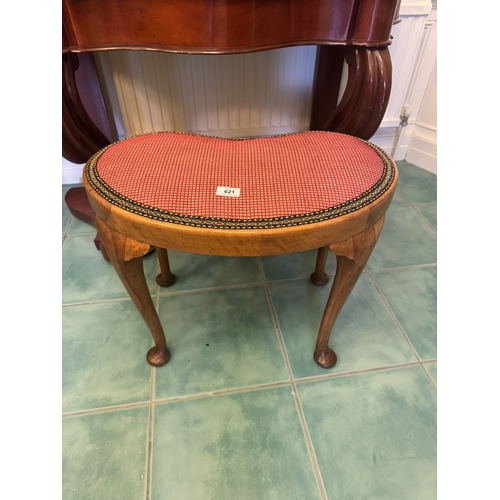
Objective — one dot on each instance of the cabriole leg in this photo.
(352, 256)
(126, 255)
(318, 277)
(165, 278)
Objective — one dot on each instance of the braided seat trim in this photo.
(113, 196)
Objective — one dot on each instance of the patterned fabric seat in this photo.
(280, 181)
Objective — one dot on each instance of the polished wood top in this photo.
(224, 26)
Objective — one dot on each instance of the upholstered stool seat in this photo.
(240, 197)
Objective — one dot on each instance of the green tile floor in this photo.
(241, 410)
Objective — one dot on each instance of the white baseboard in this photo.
(71, 172)
(417, 145)
(422, 150)
(386, 137)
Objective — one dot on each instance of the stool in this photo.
(240, 197)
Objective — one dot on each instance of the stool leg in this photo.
(165, 278)
(352, 256)
(126, 256)
(318, 277)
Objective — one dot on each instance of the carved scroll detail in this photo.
(365, 99)
(81, 138)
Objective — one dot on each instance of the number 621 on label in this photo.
(228, 191)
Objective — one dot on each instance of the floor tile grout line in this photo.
(434, 385)
(210, 289)
(244, 285)
(316, 378)
(398, 324)
(365, 271)
(260, 265)
(310, 447)
(150, 434)
(117, 299)
(152, 401)
(241, 285)
(102, 301)
(401, 268)
(77, 235)
(401, 194)
(276, 324)
(280, 280)
(105, 409)
(222, 392)
(68, 224)
(288, 280)
(249, 388)
(424, 218)
(81, 235)
(424, 204)
(305, 430)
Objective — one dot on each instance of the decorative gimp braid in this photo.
(280, 181)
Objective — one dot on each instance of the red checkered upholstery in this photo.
(278, 177)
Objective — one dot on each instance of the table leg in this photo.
(126, 256)
(78, 203)
(363, 104)
(319, 277)
(352, 256)
(165, 278)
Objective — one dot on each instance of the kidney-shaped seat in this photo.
(240, 197)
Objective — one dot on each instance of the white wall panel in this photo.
(409, 54)
(420, 144)
(228, 95)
